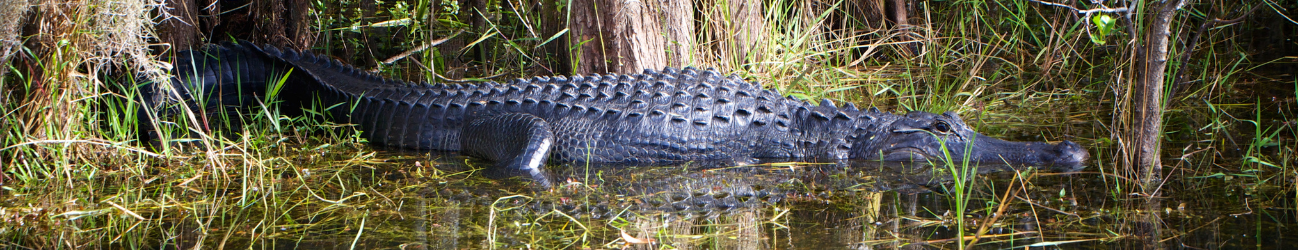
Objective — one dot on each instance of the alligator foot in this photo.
(518, 143)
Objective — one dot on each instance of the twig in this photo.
(1186, 156)
(1191, 230)
(1000, 210)
(1084, 12)
(987, 236)
(223, 12)
(1250, 209)
(127, 211)
(443, 78)
(1047, 208)
(360, 230)
(421, 48)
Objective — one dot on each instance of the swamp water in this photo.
(407, 200)
(271, 191)
(292, 192)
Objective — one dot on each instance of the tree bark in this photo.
(737, 28)
(871, 12)
(587, 35)
(897, 13)
(181, 29)
(678, 27)
(899, 16)
(1150, 96)
(557, 49)
(283, 23)
(454, 65)
(639, 39)
(12, 14)
(629, 36)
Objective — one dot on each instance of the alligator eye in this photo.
(941, 127)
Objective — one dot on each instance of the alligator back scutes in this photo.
(667, 115)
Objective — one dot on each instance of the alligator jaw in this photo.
(923, 136)
(907, 154)
(1064, 154)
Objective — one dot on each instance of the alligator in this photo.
(656, 117)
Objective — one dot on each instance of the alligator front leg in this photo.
(518, 143)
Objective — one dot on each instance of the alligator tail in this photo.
(209, 89)
(388, 112)
(222, 83)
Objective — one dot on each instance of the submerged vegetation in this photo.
(77, 172)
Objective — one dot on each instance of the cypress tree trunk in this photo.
(181, 30)
(737, 30)
(628, 36)
(1150, 95)
(678, 26)
(587, 26)
(639, 37)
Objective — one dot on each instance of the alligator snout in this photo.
(1070, 154)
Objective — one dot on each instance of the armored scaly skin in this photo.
(656, 117)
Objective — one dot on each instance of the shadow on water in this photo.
(863, 205)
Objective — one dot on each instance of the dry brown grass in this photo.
(75, 43)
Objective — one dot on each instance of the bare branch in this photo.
(421, 48)
(1084, 12)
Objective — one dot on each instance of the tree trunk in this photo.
(454, 64)
(628, 36)
(639, 39)
(181, 29)
(899, 16)
(588, 30)
(282, 23)
(1150, 95)
(12, 14)
(870, 12)
(737, 27)
(678, 27)
(897, 13)
(556, 50)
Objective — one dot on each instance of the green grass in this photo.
(962, 174)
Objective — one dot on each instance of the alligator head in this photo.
(922, 136)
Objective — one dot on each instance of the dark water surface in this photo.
(867, 205)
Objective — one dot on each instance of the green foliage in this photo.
(1104, 25)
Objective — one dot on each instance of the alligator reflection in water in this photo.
(396, 202)
(708, 191)
(687, 206)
